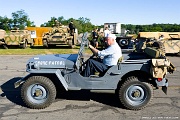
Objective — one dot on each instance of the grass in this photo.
(39, 50)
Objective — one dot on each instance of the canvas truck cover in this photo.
(156, 34)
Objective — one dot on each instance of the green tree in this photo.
(82, 24)
(5, 23)
(20, 19)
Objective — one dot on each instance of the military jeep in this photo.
(132, 79)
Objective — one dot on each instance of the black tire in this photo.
(38, 92)
(45, 43)
(135, 95)
(32, 44)
(5, 46)
(24, 45)
(123, 42)
(70, 43)
(178, 54)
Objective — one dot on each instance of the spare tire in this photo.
(123, 42)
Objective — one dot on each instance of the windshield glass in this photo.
(84, 42)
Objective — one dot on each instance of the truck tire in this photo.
(70, 42)
(178, 54)
(134, 94)
(32, 44)
(24, 45)
(38, 92)
(5, 46)
(123, 42)
(45, 43)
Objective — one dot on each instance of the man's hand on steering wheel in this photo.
(94, 51)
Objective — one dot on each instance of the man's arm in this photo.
(94, 50)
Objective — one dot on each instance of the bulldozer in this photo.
(59, 35)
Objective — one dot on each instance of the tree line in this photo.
(135, 29)
(20, 20)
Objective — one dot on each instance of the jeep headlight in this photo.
(31, 65)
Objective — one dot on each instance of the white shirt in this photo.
(106, 32)
(111, 54)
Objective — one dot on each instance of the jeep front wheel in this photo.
(38, 92)
(134, 94)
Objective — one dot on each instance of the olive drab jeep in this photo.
(132, 79)
(20, 38)
(59, 35)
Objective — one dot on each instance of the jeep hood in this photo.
(53, 61)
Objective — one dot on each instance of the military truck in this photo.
(132, 79)
(59, 35)
(2, 36)
(172, 45)
(21, 38)
(169, 44)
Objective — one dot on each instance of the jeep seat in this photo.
(97, 74)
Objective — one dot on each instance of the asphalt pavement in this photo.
(82, 105)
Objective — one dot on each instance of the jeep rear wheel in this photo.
(135, 95)
(38, 92)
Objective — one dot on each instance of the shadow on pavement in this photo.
(11, 93)
(85, 95)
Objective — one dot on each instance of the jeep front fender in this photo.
(56, 72)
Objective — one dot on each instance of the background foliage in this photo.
(20, 20)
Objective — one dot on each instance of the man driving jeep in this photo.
(110, 57)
